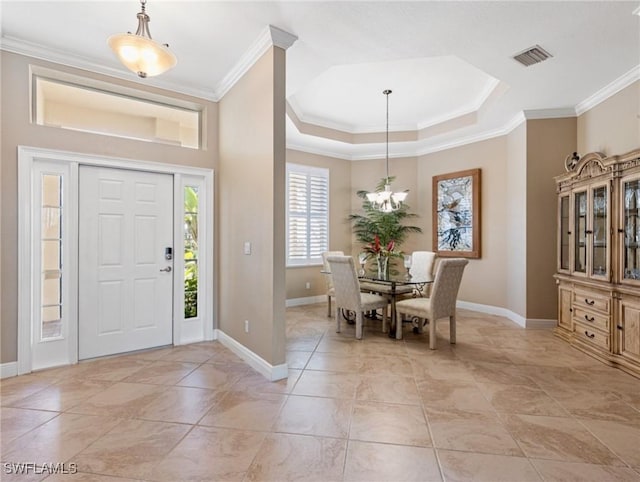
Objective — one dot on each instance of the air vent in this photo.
(533, 55)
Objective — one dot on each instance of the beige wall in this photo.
(484, 279)
(516, 220)
(339, 228)
(548, 143)
(17, 130)
(613, 126)
(251, 198)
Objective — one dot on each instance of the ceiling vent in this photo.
(533, 55)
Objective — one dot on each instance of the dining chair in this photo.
(348, 295)
(441, 303)
(328, 277)
(422, 266)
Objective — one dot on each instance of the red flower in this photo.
(375, 248)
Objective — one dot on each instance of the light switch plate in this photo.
(247, 247)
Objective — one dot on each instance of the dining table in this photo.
(394, 285)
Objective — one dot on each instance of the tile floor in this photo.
(503, 404)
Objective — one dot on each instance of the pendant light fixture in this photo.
(387, 200)
(139, 52)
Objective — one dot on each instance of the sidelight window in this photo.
(190, 252)
(51, 256)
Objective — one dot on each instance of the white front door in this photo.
(125, 297)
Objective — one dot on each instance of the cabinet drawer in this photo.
(592, 319)
(591, 301)
(586, 334)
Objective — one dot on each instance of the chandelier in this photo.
(139, 52)
(387, 200)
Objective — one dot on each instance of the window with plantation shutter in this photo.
(307, 214)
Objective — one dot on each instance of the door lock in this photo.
(167, 269)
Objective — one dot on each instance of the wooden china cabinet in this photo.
(598, 273)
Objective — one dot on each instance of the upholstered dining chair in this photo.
(328, 277)
(441, 303)
(348, 295)
(422, 266)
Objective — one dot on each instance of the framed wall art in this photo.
(456, 214)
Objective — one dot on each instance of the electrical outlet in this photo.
(247, 247)
(308, 285)
(246, 326)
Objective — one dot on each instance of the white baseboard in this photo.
(269, 371)
(8, 369)
(309, 300)
(530, 323)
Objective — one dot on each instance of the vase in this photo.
(383, 266)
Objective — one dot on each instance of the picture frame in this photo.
(456, 214)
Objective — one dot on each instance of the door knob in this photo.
(167, 269)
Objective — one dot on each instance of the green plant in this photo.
(191, 297)
(190, 252)
(388, 227)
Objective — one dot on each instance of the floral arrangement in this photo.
(377, 249)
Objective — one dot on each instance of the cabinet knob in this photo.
(570, 310)
(619, 327)
(588, 231)
(592, 335)
(589, 302)
(590, 319)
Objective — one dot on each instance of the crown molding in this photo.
(535, 114)
(281, 38)
(30, 49)
(531, 114)
(319, 152)
(515, 121)
(518, 119)
(349, 129)
(609, 90)
(270, 36)
(341, 128)
(471, 107)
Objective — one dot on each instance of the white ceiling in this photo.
(425, 91)
(441, 59)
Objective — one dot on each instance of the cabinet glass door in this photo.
(631, 222)
(564, 233)
(580, 232)
(599, 230)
